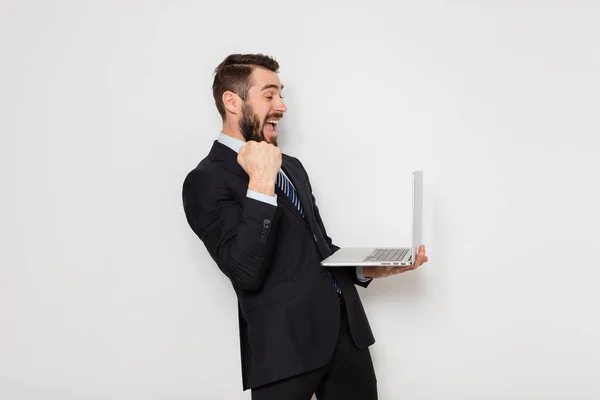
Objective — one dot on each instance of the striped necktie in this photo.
(286, 187)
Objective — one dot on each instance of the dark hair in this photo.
(233, 74)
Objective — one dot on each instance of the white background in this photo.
(105, 292)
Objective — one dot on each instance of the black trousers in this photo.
(349, 375)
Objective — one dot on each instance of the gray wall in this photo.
(105, 293)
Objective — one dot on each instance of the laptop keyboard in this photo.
(387, 255)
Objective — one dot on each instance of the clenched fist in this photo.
(261, 161)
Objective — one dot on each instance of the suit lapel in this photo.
(301, 187)
(297, 176)
(286, 203)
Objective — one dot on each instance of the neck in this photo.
(231, 128)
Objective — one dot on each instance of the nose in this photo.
(280, 106)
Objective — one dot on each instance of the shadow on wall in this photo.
(409, 285)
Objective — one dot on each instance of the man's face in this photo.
(263, 108)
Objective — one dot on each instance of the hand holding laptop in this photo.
(383, 261)
(385, 271)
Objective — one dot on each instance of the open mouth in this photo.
(271, 126)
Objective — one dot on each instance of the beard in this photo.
(251, 127)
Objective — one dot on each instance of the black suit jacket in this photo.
(287, 304)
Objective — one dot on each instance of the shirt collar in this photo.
(232, 143)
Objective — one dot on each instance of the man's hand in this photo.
(382, 272)
(261, 161)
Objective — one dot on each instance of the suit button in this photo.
(315, 236)
(327, 273)
(266, 223)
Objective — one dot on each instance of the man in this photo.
(302, 327)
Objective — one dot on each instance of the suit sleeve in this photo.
(239, 237)
(351, 271)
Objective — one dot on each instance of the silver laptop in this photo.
(378, 256)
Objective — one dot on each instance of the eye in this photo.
(271, 95)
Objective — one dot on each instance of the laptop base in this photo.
(367, 257)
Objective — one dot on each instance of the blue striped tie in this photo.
(286, 187)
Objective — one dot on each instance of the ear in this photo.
(232, 102)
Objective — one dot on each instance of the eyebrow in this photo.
(271, 86)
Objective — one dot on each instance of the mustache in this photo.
(274, 116)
